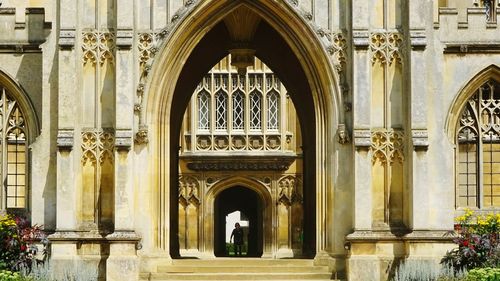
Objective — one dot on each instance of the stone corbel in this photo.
(420, 139)
(343, 134)
(361, 39)
(362, 139)
(65, 139)
(418, 39)
(141, 137)
(67, 39)
(124, 39)
(123, 139)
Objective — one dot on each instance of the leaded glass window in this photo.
(203, 111)
(479, 149)
(255, 111)
(273, 101)
(220, 111)
(238, 111)
(13, 152)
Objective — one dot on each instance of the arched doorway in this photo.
(250, 205)
(299, 58)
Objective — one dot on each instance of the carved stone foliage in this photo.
(189, 190)
(98, 47)
(97, 146)
(387, 146)
(147, 47)
(338, 50)
(289, 190)
(386, 47)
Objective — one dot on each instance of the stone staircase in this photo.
(226, 269)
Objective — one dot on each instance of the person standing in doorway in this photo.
(238, 239)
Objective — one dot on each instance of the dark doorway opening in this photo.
(249, 203)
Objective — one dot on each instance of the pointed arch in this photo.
(18, 129)
(17, 93)
(460, 100)
(173, 77)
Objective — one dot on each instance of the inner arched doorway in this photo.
(250, 205)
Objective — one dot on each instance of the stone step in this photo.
(240, 262)
(241, 269)
(235, 276)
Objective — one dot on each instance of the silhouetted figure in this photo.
(238, 239)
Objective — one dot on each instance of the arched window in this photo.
(220, 111)
(203, 111)
(255, 111)
(238, 111)
(478, 139)
(273, 105)
(14, 153)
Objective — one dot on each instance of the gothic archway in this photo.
(296, 54)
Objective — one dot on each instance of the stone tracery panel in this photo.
(98, 47)
(386, 47)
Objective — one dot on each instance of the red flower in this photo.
(23, 248)
(465, 243)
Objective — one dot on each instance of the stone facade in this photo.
(379, 88)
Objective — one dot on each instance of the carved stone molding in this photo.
(65, 139)
(98, 47)
(386, 47)
(97, 145)
(239, 166)
(189, 190)
(361, 39)
(123, 139)
(362, 138)
(418, 39)
(67, 38)
(420, 139)
(387, 145)
(124, 38)
(289, 190)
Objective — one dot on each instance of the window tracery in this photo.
(14, 152)
(230, 111)
(478, 159)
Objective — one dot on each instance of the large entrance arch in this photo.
(296, 56)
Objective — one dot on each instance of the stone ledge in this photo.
(388, 236)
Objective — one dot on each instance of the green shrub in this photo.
(483, 274)
(6, 275)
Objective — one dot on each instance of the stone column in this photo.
(64, 246)
(123, 263)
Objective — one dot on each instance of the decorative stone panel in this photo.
(97, 145)
(387, 145)
(386, 47)
(98, 47)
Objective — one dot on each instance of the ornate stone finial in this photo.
(342, 134)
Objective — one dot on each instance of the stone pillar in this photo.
(64, 246)
(123, 263)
